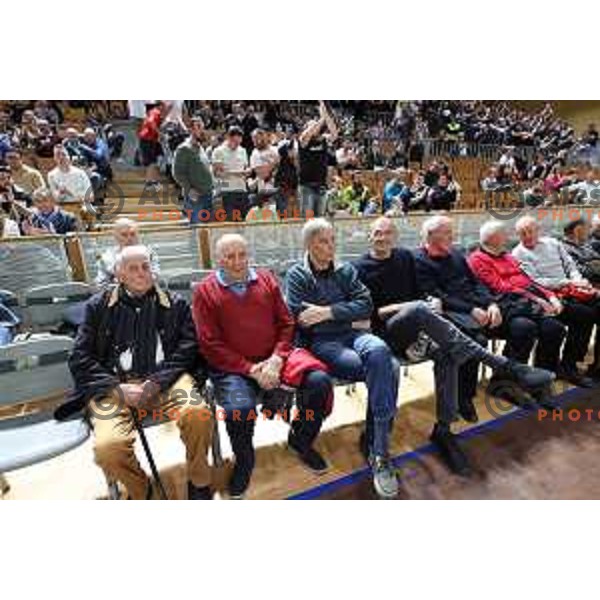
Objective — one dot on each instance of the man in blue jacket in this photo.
(330, 302)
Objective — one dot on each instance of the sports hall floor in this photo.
(515, 455)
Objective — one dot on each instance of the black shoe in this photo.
(450, 451)
(572, 375)
(239, 482)
(529, 378)
(309, 457)
(468, 412)
(199, 493)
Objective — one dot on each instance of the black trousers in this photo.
(580, 318)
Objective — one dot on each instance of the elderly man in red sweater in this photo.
(529, 310)
(246, 330)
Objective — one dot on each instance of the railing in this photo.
(34, 261)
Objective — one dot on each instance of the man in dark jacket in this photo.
(414, 328)
(136, 350)
(329, 301)
(577, 244)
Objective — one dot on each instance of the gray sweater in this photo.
(548, 264)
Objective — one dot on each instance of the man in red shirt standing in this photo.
(245, 330)
(150, 148)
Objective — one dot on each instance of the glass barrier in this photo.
(31, 262)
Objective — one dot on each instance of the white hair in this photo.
(525, 221)
(489, 229)
(226, 240)
(123, 223)
(596, 222)
(433, 224)
(131, 253)
(313, 227)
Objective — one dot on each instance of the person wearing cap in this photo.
(193, 173)
(230, 166)
(136, 350)
(577, 244)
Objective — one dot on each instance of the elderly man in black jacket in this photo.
(136, 350)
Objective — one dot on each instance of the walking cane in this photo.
(140, 429)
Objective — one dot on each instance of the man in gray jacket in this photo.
(191, 170)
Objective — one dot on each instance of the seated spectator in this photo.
(392, 191)
(577, 244)
(494, 182)
(264, 210)
(346, 157)
(125, 233)
(401, 316)
(328, 300)
(137, 349)
(529, 309)
(230, 167)
(68, 183)
(44, 112)
(443, 272)
(357, 196)
(595, 233)
(46, 140)
(534, 195)
(47, 217)
(25, 177)
(442, 196)
(8, 227)
(245, 331)
(555, 181)
(539, 169)
(548, 263)
(95, 151)
(587, 191)
(415, 196)
(14, 201)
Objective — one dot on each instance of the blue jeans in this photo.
(360, 356)
(200, 210)
(313, 199)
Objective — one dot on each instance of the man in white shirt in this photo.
(346, 156)
(67, 183)
(230, 167)
(263, 162)
(588, 191)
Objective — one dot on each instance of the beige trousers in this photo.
(114, 436)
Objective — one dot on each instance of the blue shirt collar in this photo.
(223, 280)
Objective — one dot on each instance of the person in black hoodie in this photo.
(137, 350)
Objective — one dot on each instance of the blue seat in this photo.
(36, 370)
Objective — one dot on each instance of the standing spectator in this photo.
(68, 183)
(230, 166)
(314, 157)
(286, 177)
(27, 178)
(149, 144)
(191, 170)
(263, 162)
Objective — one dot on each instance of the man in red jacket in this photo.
(529, 309)
(246, 330)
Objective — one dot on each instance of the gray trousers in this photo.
(313, 199)
(455, 349)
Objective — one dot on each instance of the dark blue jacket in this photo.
(340, 288)
(450, 279)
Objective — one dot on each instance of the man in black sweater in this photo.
(413, 327)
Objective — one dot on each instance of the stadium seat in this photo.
(183, 283)
(36, 370)
(46, 306)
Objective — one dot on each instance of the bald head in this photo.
(125, 232)
(383, 236)
(528, 230)
(231, 252)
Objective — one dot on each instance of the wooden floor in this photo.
(278, 473)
